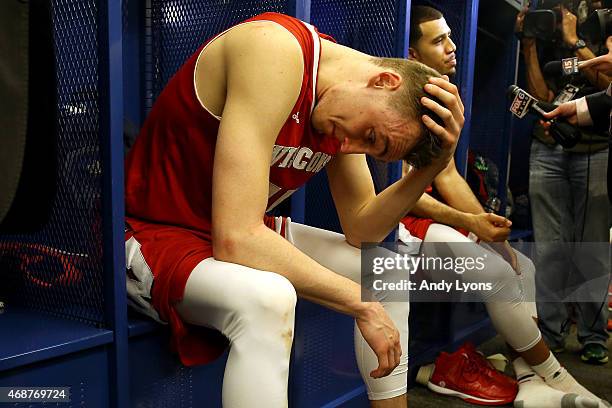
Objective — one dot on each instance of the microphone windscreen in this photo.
(512, 90)
(552, 69)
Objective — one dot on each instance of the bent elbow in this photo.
(442, 180)
(352, 241)
(234, 243)
(226, 247)
(357, 240)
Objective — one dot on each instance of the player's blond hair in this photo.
(407, 102)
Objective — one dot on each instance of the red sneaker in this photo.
(459, 375)
(486, 365)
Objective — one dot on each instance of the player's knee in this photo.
(274, 298)
(527, 266)
(503, 278)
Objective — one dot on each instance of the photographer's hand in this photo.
(520, 18)
(568, 23)
(526, 42)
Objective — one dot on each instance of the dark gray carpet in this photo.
(598, 379)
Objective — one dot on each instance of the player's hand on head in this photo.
(450, 111)
(382, 336)
(455, 92)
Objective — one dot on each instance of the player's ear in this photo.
(349, 146)
(385, 79)
(413, 54)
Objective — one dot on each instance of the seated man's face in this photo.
(435, 47)
(376, 130)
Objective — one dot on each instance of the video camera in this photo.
(595, 25)
(598, 26)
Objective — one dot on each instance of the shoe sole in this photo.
(424, 374)
(594, 361)
(468, 398)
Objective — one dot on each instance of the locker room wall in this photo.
(64, 286)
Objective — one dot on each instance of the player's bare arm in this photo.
(262, 86)
(367, 217)
(456, 193)
(455, 190)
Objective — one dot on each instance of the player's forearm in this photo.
(263, 249)
(384, 211)
(457, 194)
(429, 207)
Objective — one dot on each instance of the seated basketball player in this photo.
(248, 119)
(457, 216)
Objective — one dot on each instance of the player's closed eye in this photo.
(372, 137)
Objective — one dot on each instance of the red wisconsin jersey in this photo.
(169, 169)
(169, 182)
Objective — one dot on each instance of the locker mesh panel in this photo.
(58, 270)
(490, 111)
(175, 29)
(494, 73)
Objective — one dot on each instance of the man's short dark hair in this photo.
(418, 16)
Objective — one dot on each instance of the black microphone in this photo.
(522, 103)
(568, 66)
(552, 69)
